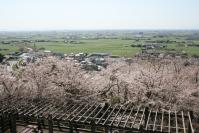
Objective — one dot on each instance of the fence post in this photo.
(146, 114)
(189, 127)
(13, 122)
(71, 127)
(1, 122)
(75, 127)
(50, 124)
(39, 124)
(141, 129)
(111, 130)
(105, 129)
(92, 126)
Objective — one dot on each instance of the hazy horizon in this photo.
(50, 15)
(67, 30)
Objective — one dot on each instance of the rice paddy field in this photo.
(117, 43)
(113, 46)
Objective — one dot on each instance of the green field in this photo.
(117, 42)
(11, 48)
(190, 50)
(113, 46)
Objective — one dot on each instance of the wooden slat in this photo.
(89, 109)
(146, 128)
(22, 111)
(119, 120)
(169, 129)
(128, 117)
(43, 111)
(92, 112)
(66, 111)
(40, 111)
(176, 119)
(115, 116)
(57, 110)
(183, 123)
(135, 117)
(109, 115)
(69, 111)
(155, 120)
(97, 113)
(190, 122)
(162, 122)
(58, 115)
(141, 118)
(79, 112)
(103, 114)
(73, 112)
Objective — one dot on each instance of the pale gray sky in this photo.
(98, 14)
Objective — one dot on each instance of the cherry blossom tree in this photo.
(161, 83)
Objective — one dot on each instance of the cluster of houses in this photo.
(146, 54)
(156, 50)
(153, 46)
(93, 61)
(147, 46)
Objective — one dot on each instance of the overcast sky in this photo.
(98, 14)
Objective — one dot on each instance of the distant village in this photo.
(158, 50)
